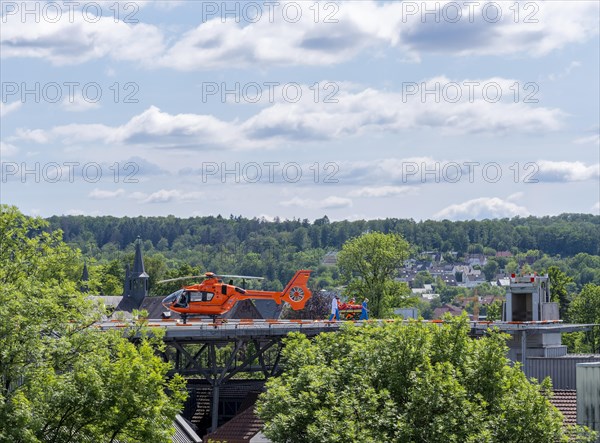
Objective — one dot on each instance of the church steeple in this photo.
(138, 262)
(136, 280)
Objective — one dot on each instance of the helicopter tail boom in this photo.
(296, 292)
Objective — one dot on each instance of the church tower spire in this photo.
(136, 280)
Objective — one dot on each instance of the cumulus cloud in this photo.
(553, 171)
(65, 39)
(540, 28)
(481, 208)
(99, 194)
(340, 33)
(357, 112)
(6, 109)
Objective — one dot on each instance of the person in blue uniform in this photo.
(364, 313)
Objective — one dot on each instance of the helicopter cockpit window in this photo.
(184, 299)
(201, 296)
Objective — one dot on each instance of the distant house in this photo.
(474, 280)
(445, 309)
(461, 269)
(409, 263)
(441, 270)
(407, 276)
(330, 258)
(489, 299)
(504, 282)
(477, 260)
(449, 279)
(430, 296)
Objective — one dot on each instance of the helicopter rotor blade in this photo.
(240, 276)
(180, 278)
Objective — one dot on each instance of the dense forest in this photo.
(564, 235)
(276, 249)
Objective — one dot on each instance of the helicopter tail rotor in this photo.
(296, 292)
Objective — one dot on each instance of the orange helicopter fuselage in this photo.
(213, 297)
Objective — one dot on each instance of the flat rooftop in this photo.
(203, 329)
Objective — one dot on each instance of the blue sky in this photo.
(356, 110)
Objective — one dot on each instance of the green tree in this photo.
(585, 308)
(61, 379)
(369, 264)
(422, 278)
(559, 282)
(494, 311)
(405, 383)
(511, 267)
(491, 269)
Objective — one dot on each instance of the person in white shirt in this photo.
(335, 310)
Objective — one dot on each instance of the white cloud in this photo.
(7, 150)
(355, 113)
(6, 109)
(481, 208)
(341, 32)
(78, 38)
(33, 135)
(540, 28)
(596, 208)
(99, 194)
(331, 202)
(552, 171)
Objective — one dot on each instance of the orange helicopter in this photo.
(212, 297)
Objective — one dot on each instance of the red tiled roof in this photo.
(565, 400)
(240, 429)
